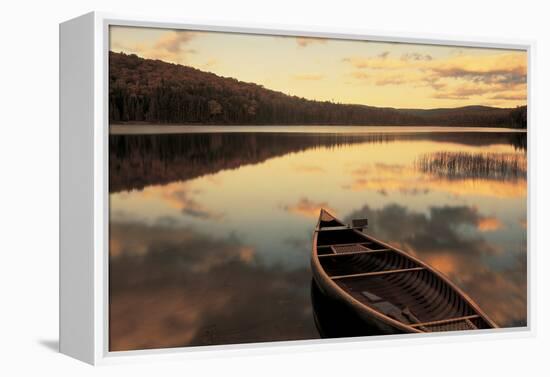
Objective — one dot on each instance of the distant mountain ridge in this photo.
(153, 91)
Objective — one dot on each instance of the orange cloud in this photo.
(307, 208)
(498, 77)
(416, 56)
(489, 224)
(246, 254)
(172, 41)
(360, 75)
(306, 41)
(378, 62)
(510, 97)
(492, 65)
(181, 197)
(169, 47)
(523, 223)
(444, 263)
(402, 178)
(210, 63)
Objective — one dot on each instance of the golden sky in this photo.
(382, 74)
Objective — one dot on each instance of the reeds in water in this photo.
(464, 165)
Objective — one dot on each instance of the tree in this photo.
(214, 108)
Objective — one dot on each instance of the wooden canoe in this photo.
(386, 287)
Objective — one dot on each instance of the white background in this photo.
(29, 185)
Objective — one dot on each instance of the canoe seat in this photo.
(404, 315)
(348, 248)
(453, 326)
(450, 324)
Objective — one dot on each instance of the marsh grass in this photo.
(464, 165)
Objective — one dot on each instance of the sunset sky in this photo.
(371, 73)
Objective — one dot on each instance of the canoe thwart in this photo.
(446, 321)
(333, 228)
(366, 243)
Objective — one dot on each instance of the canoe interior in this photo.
(390, 282)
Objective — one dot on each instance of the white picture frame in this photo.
(84, 204)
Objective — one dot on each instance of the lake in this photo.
(210, 231)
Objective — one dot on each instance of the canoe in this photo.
(386, 287)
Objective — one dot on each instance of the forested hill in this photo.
(153, 91)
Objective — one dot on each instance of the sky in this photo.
(384, 74)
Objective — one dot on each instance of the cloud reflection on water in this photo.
(172, 286)
(408, 179)
(450, 240)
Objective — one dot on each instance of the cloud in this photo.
(432, 175)
(306, 41)
(170, 46)
(510, 97)
(468, 187)
(210, 63)
(508, 68)
(376, 63)
(308, 77)
(181, 198)
(462, 92)
(440, 230)
(523, 223)
(392, 80)
(361, 75)
(416, 56)
(307, 208)
(489, 224)
(499, 76)
(174, 40)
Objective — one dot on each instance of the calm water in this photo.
(211, 232)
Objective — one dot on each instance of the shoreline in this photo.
(150, 129)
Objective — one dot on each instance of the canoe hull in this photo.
(378, 327)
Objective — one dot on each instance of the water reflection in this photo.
(175, 286)
(136, 161)
(210, 234)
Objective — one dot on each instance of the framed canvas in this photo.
(258, 188)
